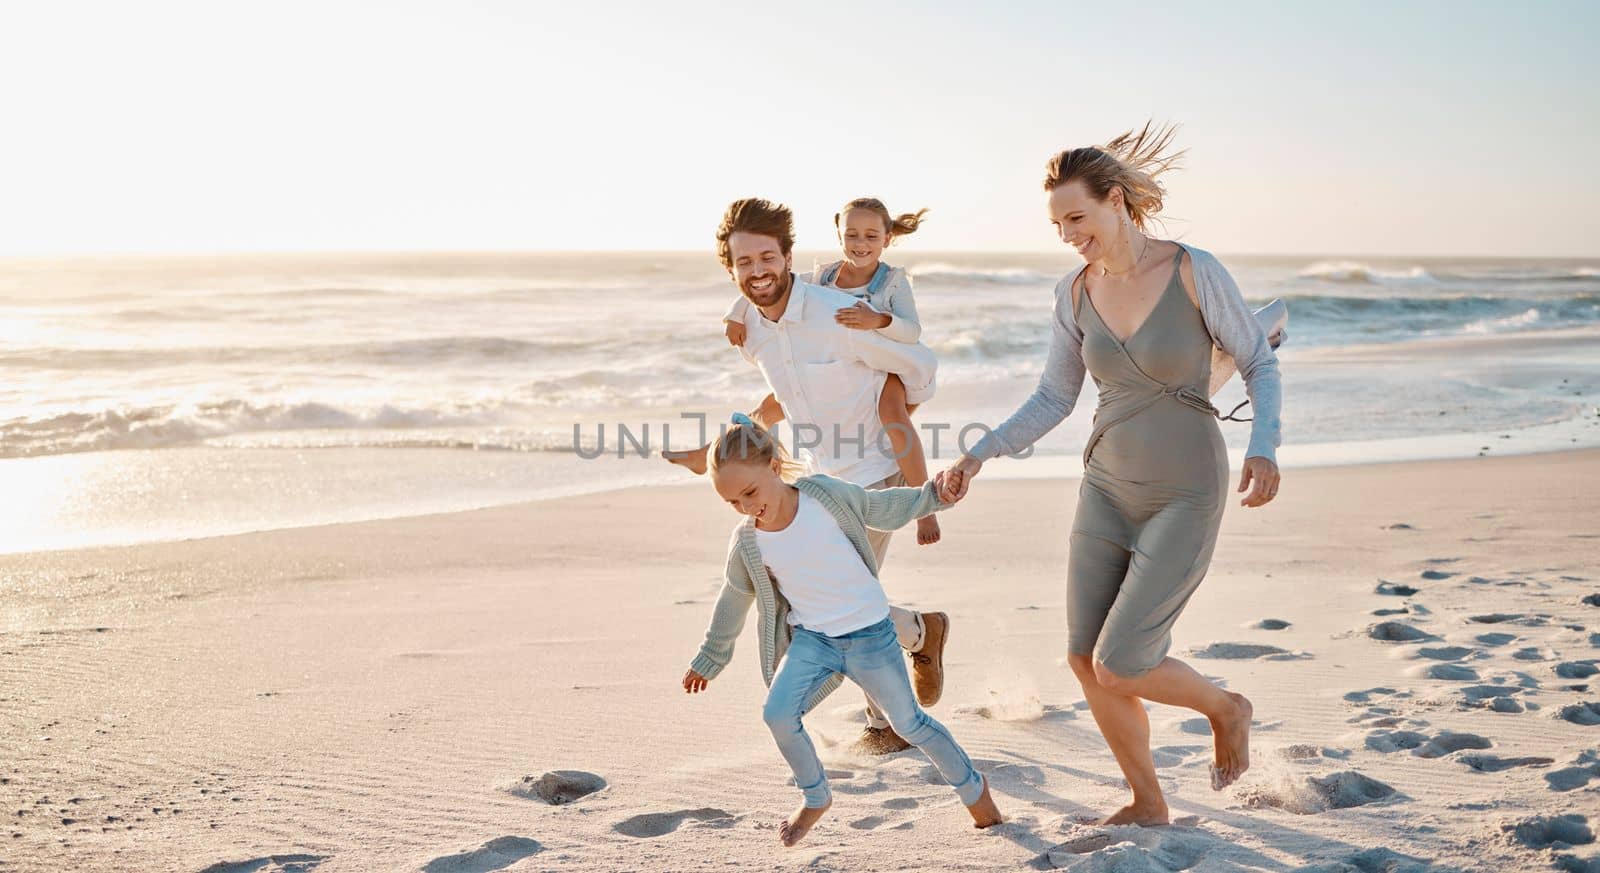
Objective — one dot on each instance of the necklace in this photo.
(1143, 250)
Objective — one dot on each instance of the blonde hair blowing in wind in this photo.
(752, 444)
(895, 226)
(1132, 162)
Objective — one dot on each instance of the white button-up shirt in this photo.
(828, 377)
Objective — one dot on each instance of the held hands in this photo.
(862, 317)
(734, 333)
(694, 683)
(952, 483)
(1262, 475)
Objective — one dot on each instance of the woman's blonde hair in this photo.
(894, 225)
(752, 444)
(1130, 162)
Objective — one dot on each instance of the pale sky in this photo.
(1464, 128)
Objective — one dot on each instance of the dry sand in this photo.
(391, 695)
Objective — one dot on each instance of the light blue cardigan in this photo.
(746, 580)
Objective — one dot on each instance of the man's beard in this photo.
(780, 286)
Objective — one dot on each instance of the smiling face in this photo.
(1091, 226)
(752, 488)
(863, 237)
(759, 267)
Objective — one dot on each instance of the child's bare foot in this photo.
(795, 829)
(1231, 735)
(1139, 813)
(693, 459)
(927, 530)
(984, 812)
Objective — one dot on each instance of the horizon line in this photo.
(708, 252)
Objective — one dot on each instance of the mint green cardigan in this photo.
(746, 580)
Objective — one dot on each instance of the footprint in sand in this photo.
(1148, 850)
(1586, 714)
(868, 823)
(1445, 653)
(1269, 624)
(1398, 632)
(1592, 600)
(1436, 575)
(497, 854)
(1311, 795)
(1378, 860)
(1367, 695)
(1310, 752)
(1496, 638)
(656, 824)
(1494, 617)
(558, 787)
(1585, 767)
(1172, 756)
(292, 863)
(1495, 763)
(1532, 653)
(1393, 610)
(1423, 746)
(1201, 727)
(1550, 831)
(1245, 651)
(1392, 590)
(1448, 672)
(1496, 697)
(1577, 669)
(901, 803)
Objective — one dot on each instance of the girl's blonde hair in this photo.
(752, 444)
(894, 225)
(1130, 162)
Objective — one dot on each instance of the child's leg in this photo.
(873, 661)
(806, 665)
(896, 418)
(895, 414)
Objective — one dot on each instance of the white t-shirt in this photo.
(820, 573)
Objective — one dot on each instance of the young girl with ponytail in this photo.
(802, 557)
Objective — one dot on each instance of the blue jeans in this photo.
(871, 658)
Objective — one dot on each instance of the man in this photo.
(826, 378)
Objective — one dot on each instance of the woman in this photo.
(1142, 316)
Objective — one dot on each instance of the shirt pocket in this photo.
(828, 383)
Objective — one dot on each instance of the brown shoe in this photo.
(927, 663)
(879, 741)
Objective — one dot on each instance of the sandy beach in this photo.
(387, 695)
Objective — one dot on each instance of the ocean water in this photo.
(184, 396)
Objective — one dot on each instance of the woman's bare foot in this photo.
(1231, 734)
(927, 530)
(984, 812)
(694, 459)
(1139, 813)
(795, 829)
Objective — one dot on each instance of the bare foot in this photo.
(795, 829)
(1139, 813)
(693, 459)
(1231, 735)
(927, 530)
(984, 812)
